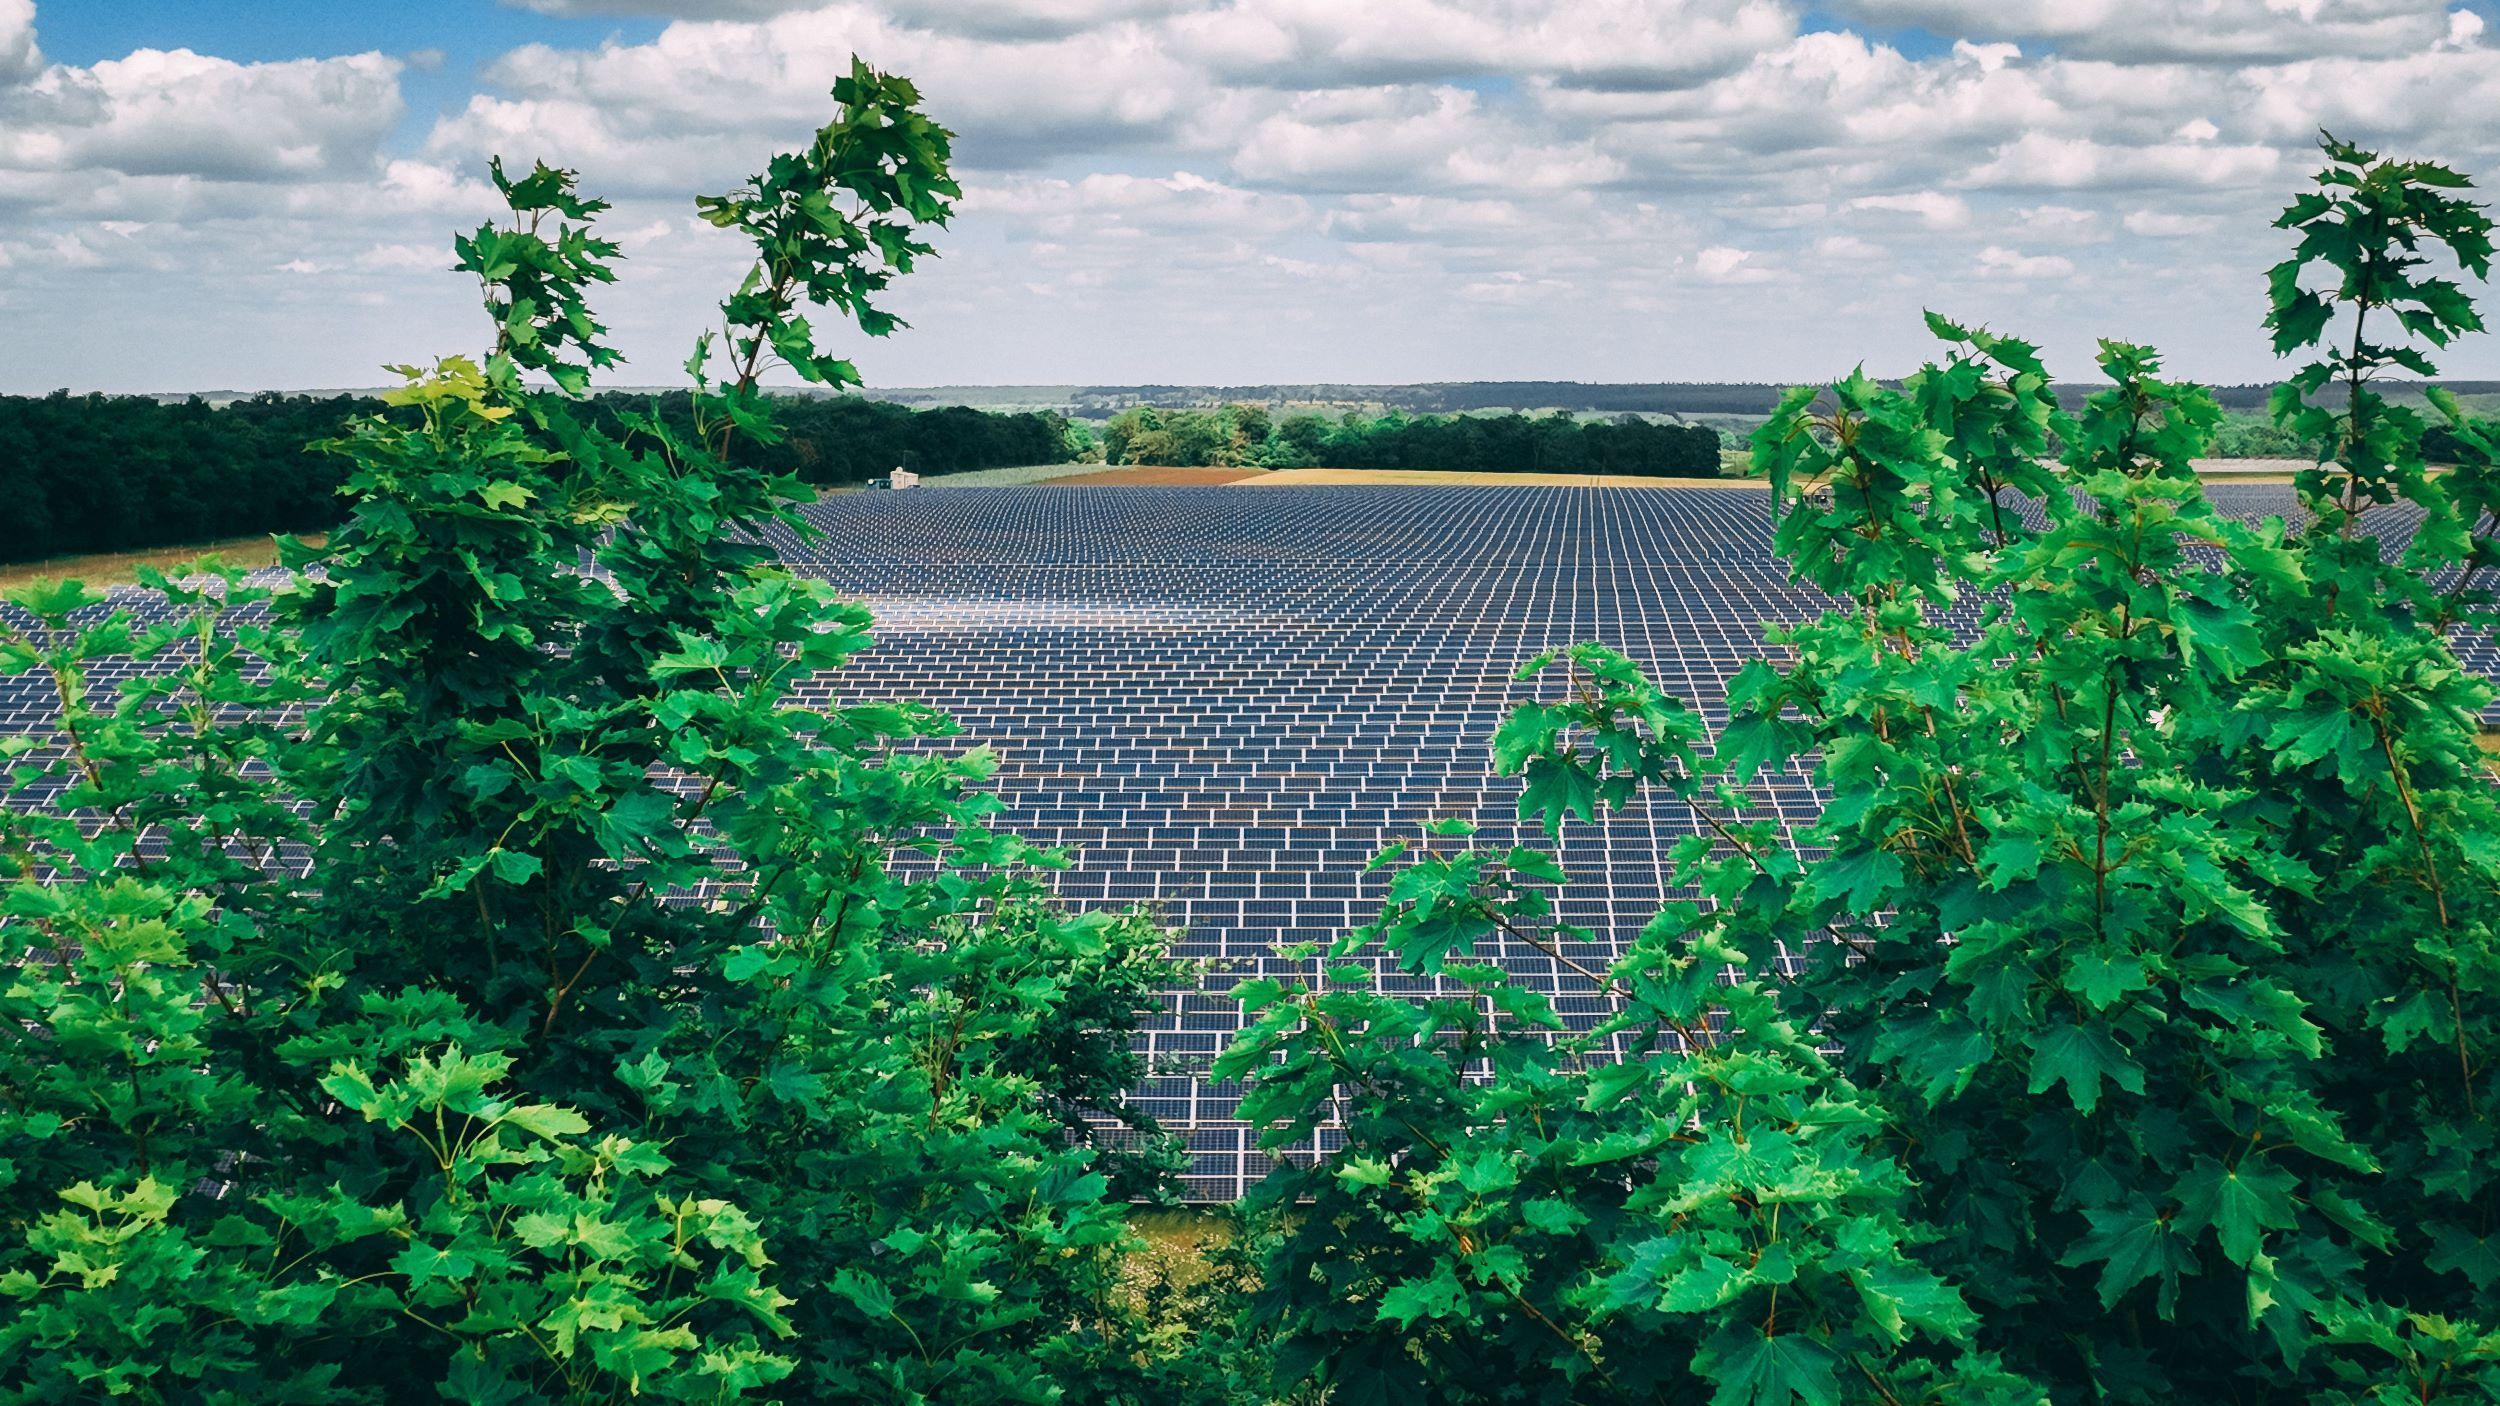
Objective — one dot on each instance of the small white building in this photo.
(902, 478)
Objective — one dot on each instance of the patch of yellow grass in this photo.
(1289, 478)
(1175, 1256)
(1184, 1231)
(122, 568)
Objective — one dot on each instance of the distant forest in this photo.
(98, 473)
(1248, 435)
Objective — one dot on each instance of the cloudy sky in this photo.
(198, 196)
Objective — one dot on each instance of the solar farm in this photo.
(1224, 702)
(1227, 700)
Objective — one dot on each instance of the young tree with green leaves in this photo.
(2144, 1046)
(473, 969)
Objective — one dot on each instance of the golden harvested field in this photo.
(121, 568)
(1287, 478)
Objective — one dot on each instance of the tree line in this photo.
(96, 473)
(1251, 436)
(103, 473)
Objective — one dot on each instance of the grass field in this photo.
(1151, 476)
(1009, 477)
(120, 568)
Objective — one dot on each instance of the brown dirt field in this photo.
(1148, 476)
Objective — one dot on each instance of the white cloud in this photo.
(2440, 101)
(68, 250)
(174, 112)
(404, 258)
(1431, 138)
(2162, 224)
(1430, 219)
(1511, 289)
(1934, 209)
(2201, 30)
(1179, 203)
(2057, 224)
(19, 58)
(704, 100)
(1600, 43)
(991, 19)
(1996, 261)
(2038, 161)
(1722, 264)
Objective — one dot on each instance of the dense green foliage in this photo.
(98, 473)
(1244, 435)
(561, 1009)
(2153, 922)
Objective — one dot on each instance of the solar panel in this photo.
(1225, 700)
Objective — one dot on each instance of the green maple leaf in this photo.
(1861, 879)
(1528, 732)
(2134, 1246)
(2241, 1203)
(1438, 1296)
(547, 1120)
(2010, 857)
(1558, 787)
(1754, 1370)
(2101, 979)
(1704, 1284)
(2080, 1057)
(1901, 1296)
